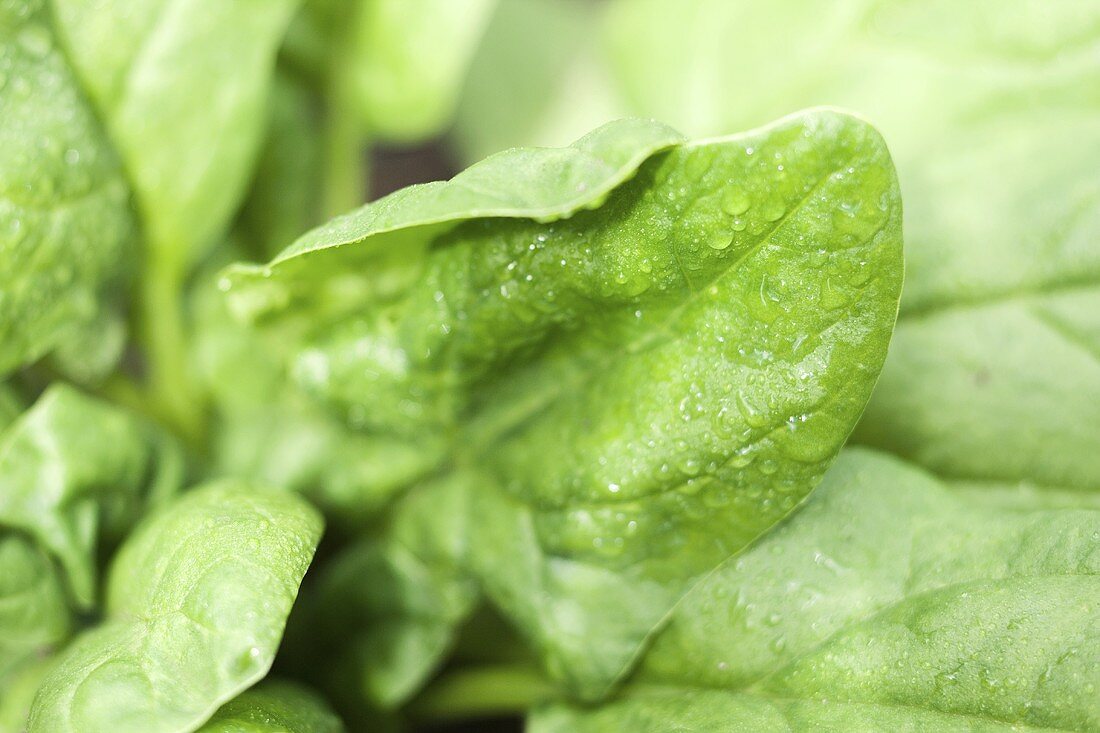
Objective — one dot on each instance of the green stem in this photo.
(482, 692)
(172, 392)
(345, 182)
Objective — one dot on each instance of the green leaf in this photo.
(395, 67)
(389, 605)
(1000, 392)
(521, 184)
(10, 405)
(147, 65)
(73, 469)
(535, 79)
(407, 60)
(996, 361)
(646, 358)
(196, 603)
(274, 707)
(66, 231)
(34, 613)
(17, 689)
(886, 603)
(268, 429)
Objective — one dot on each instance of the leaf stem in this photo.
(345, 159)
(482, 692)
(171, 390)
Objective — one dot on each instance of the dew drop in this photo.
(735, 202)
(35, 40)
(719, 241)
(774, 210)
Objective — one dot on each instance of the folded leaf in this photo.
(995, 368)
(886, 603)
(197, 600)
(67, 235)
(274, 707)
(73, 468)
(643, 374)
(539, 184)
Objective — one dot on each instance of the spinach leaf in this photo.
(267, 428)
(66, 231)
(886, 603)
(274, 707)
(73, 469)
(994, 369)
(405, 93)
(395, 66)
(642, 374)
(68, 236)
(537, 78)
(17, 688)
(144, 64)
(34, 612)
(196, 602)
(388, 605)
(10, 405)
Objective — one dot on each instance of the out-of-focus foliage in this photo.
(67, 235)
(571, 415)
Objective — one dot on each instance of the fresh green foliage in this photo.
(558, 96)
(196, 603)
(985, 106)
(407, 62)
(887, 603)
(71, 464)
(144, 64)
(274, 707)
(66, 231)
(574, 416)
(403, 593)
(34, 613)
(270, 430)
(285, 197)
(717, 346)
(397, 65)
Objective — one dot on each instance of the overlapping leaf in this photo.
(628, 365)
(34, 610)
(145, 64)
(197, 600)
(388, 606)
(274, 707)
(67, 236)
(885, 604)
(72, 469)
(994, 369)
